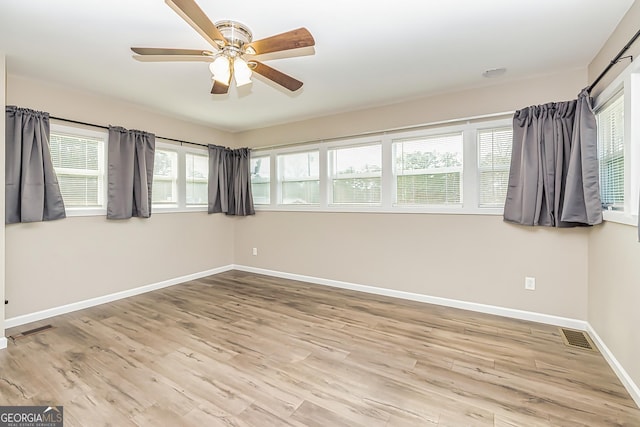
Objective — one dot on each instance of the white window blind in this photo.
(197, 175)
(355, 174)
(428, 170)
(494, 160)
(261, 180)
(79, 164)
(299, 177)
(611, 153)
(165, 178)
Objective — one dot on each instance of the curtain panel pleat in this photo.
(32, 190)
(130, 173)
(554, 177)
(229, 185)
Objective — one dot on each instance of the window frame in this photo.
(174, 179)
(470, 171)
(277, 183)
(195, 152)
(269, 182)
(56, 128)
(614, 157)
(444, 132)
(331, 176)
(480, 169)
(181, 205)
(627, 82)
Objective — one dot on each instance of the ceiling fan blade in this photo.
(169, 51)
(293, 39)
(219, 88)
(276, 76)
(191, 12)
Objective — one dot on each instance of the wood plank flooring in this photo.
(240, 349)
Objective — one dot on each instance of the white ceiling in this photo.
(367, 53)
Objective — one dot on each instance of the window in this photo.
(165, 178)
(197, 175)
(617, 110)
(299, 177)
(261, 180)
(611, 153)
(413, 170)
(180, 178)
(428, 170)
(356, 174)
(494, 161)
(79, 161)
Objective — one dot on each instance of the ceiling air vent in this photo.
(576, 339)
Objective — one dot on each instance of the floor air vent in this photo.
(576, 339)
(31, 332)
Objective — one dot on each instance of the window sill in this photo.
(71, 212)
(160, 210)
(620, 217)
(457, 210)
(81, 212)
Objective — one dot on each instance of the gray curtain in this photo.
(229, 183)
(32, 191)
(130, 175)
(553, 180)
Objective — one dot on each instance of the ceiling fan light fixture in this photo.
(220, 68)
(241, 72)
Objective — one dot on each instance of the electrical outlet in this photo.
(255, 251)
(530, 283)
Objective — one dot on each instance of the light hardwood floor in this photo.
(240, 349)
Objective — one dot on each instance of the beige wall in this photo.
(470, 258)
(50, 264)
(111, 256)
(614, 251)
(624, 31)
(614, 292)
(60, 101)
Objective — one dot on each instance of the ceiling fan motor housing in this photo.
(237, 34)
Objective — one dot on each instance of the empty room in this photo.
(421, 213)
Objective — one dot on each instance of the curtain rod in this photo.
(614, 61)
(107, 127)
(505, 114)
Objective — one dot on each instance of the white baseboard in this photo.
(3, 343)
(56, 311)
(622, 374)
(465, 305)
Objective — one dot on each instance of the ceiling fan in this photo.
(235, 52)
